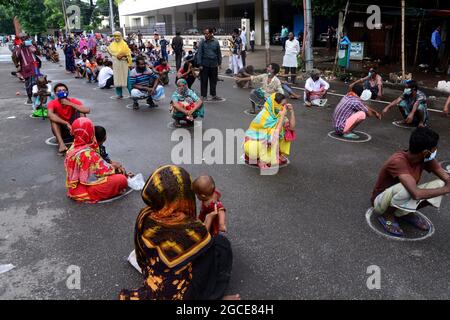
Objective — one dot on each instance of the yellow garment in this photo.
(120, 47)
(259, 150)
(120, 67)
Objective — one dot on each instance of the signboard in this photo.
(357, 51)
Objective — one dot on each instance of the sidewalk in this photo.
(324, 61)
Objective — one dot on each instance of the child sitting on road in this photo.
(41, 91)
(212, 212)
(81, 67)
(91, 70)
(100, 136)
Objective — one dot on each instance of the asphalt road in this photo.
(300, 234)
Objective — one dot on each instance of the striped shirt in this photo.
(348, 105)
(145, 78)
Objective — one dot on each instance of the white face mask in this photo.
(431, 157)
(407, 91)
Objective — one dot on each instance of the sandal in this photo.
(282, 160)
(391, 227)
(416, 221)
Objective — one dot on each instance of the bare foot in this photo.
(232, 297)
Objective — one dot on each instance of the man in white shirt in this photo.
(252, 40)
(105, 76)
(315, 88)
(244, 46)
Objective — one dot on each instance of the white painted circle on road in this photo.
(361, 134)
(370, 213)
(404, 126)
(196, 124)
(52, 142)
(117, 197)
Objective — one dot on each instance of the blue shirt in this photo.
(145, 78)
(436, 39)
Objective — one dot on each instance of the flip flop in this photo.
(392, 228)
(416, 221)
(350, 136)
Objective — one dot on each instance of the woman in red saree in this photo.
(89, 178)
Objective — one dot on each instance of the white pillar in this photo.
(173, 13)
(194, 16)
(222, 5)
(259, 23)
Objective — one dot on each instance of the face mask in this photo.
(62, 94)
(407, 91)
(28, 43)
(431, 157)
(370, 74)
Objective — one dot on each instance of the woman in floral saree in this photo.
(89, 178)
(177, 255)
(268, 139)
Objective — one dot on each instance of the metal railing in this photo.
(187, 28)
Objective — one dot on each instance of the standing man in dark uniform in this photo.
(209, 59)
(177, 47)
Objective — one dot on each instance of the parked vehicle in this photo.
(191, 31)
(276, 38)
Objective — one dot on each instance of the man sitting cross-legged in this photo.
(145, 84)
(397, 193)
(62, 112)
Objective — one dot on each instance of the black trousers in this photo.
(243, 56)
(210, 74)
(109, 83)
(252, 45)
(289, 70)
(178, 57)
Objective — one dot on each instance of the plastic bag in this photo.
(137, 182)
(6, 267)
(319, 102)
(132, 260)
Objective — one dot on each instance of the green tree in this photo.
(323, 7)
(6, 19)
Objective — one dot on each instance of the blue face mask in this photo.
(431, 157)
(27, 43)
(62, 94)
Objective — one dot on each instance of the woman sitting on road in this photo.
(268, 139)
(177, 255)
(187, 73)
(269, 84)
(89, 178)
(186, 105)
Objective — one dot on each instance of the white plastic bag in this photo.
(137, 182)
(319, 102)
(6, 267)
(132, 260)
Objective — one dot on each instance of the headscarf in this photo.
(82, 43)
(83, 162)
(121, 47)
(264, 124)
(183, 91)
(92, 43)
(168, 224)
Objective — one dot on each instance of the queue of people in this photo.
(200, 268)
